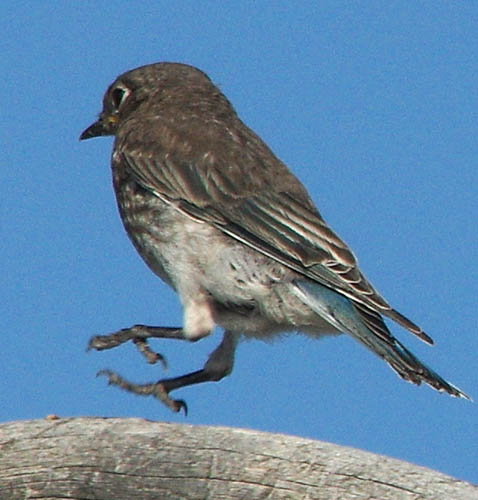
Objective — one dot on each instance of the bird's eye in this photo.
(119, 95)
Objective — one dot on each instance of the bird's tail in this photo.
(341, 313)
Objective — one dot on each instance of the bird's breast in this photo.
(243, 289)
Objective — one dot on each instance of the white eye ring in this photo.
(119, 95)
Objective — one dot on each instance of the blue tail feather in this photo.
(340, 312)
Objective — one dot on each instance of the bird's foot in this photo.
(138, 334)
(158, 390)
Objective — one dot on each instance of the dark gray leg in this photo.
(218, 365)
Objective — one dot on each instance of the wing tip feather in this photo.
(409, 325)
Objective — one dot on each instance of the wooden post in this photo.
(128, 459)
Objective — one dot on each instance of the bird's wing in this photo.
(256, 200)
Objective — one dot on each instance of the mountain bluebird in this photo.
(216, 215)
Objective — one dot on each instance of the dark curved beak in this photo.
(94, 130)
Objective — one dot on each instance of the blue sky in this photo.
(372, 106)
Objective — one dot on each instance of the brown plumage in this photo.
(220, 218)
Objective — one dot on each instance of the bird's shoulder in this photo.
(219, 153)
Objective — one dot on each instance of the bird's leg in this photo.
(218, 365)
(138, 334)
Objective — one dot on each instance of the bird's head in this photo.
(133, 88)
(121, 98)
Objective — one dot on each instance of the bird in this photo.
(220, 218)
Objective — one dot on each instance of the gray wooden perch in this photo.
(128, 459)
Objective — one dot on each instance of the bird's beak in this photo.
(94, 130)
(103, 126)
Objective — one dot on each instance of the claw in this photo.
(162, 394)
(157, 390)
(108, 373)
(151, 356)
(182, 406)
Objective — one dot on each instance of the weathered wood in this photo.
(116, 459)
